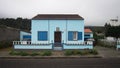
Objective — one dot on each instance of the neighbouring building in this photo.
(88, 34)
(56, 32)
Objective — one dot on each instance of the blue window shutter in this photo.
(26, 37)
(70, 35)
(79, 35)
(42, 35)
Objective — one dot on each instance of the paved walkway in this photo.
(108, 52)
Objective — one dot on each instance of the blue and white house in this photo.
(54, 32)
(118, 44)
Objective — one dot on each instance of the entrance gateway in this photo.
(57, 39)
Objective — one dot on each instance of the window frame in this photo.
(39, 38)
(73, 37)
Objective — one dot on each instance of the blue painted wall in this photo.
(50, 26)
(22, 33)
(75, 25)
(39, 25)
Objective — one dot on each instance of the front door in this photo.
(57, 37)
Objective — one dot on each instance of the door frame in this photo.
(60, 36)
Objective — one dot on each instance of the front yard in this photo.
(54, 53)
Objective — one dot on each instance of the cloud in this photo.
(95, 12)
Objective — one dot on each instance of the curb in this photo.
(46, 57)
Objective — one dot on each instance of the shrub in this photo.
(14, 53)
(68, 52)
(75, 52)
(34, 54)
(18, 53)
(80, 52)
(84, 52)
(5, 44)
(24, 53)
(46, 53)
(93, 51)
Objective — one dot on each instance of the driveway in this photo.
(108, 52)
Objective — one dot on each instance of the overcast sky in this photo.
(95, 12)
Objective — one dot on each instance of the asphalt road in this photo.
(61, 63)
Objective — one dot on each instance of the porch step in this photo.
(57, 48)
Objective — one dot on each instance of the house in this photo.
(55, 32)
(88, 34)
(118, 44)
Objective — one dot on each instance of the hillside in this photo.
(8, 33)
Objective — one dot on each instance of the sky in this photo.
(95, 12)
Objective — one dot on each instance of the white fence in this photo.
(29, 43)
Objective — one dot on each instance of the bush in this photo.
(93, 51)
(46, 53)
(24, 53)
(75, 52)
(84, 52)
(5, 44)
(68, 52)
(80, 52)
(18, 53)
(14, 53)
(34, 54)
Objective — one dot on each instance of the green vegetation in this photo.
(5, 44)
(23, 53)
(19, 23)
(46, 53)
(80, 52)
(34, 54)
(18, 53)
(113, 31)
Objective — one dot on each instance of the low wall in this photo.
(32, 46)
(77, 46)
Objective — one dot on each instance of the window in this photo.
(42, 36)
(87, 35)
(26, 37)
(74, 35)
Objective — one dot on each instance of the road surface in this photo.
(61, 63)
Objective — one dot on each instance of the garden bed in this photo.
(55, 53)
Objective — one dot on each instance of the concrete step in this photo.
(57, 48)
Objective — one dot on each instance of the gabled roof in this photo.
(57, 17)
(87, 31)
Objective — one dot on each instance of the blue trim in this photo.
(79, 35)
(26, 36)
(42, 35)
(70, 35)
